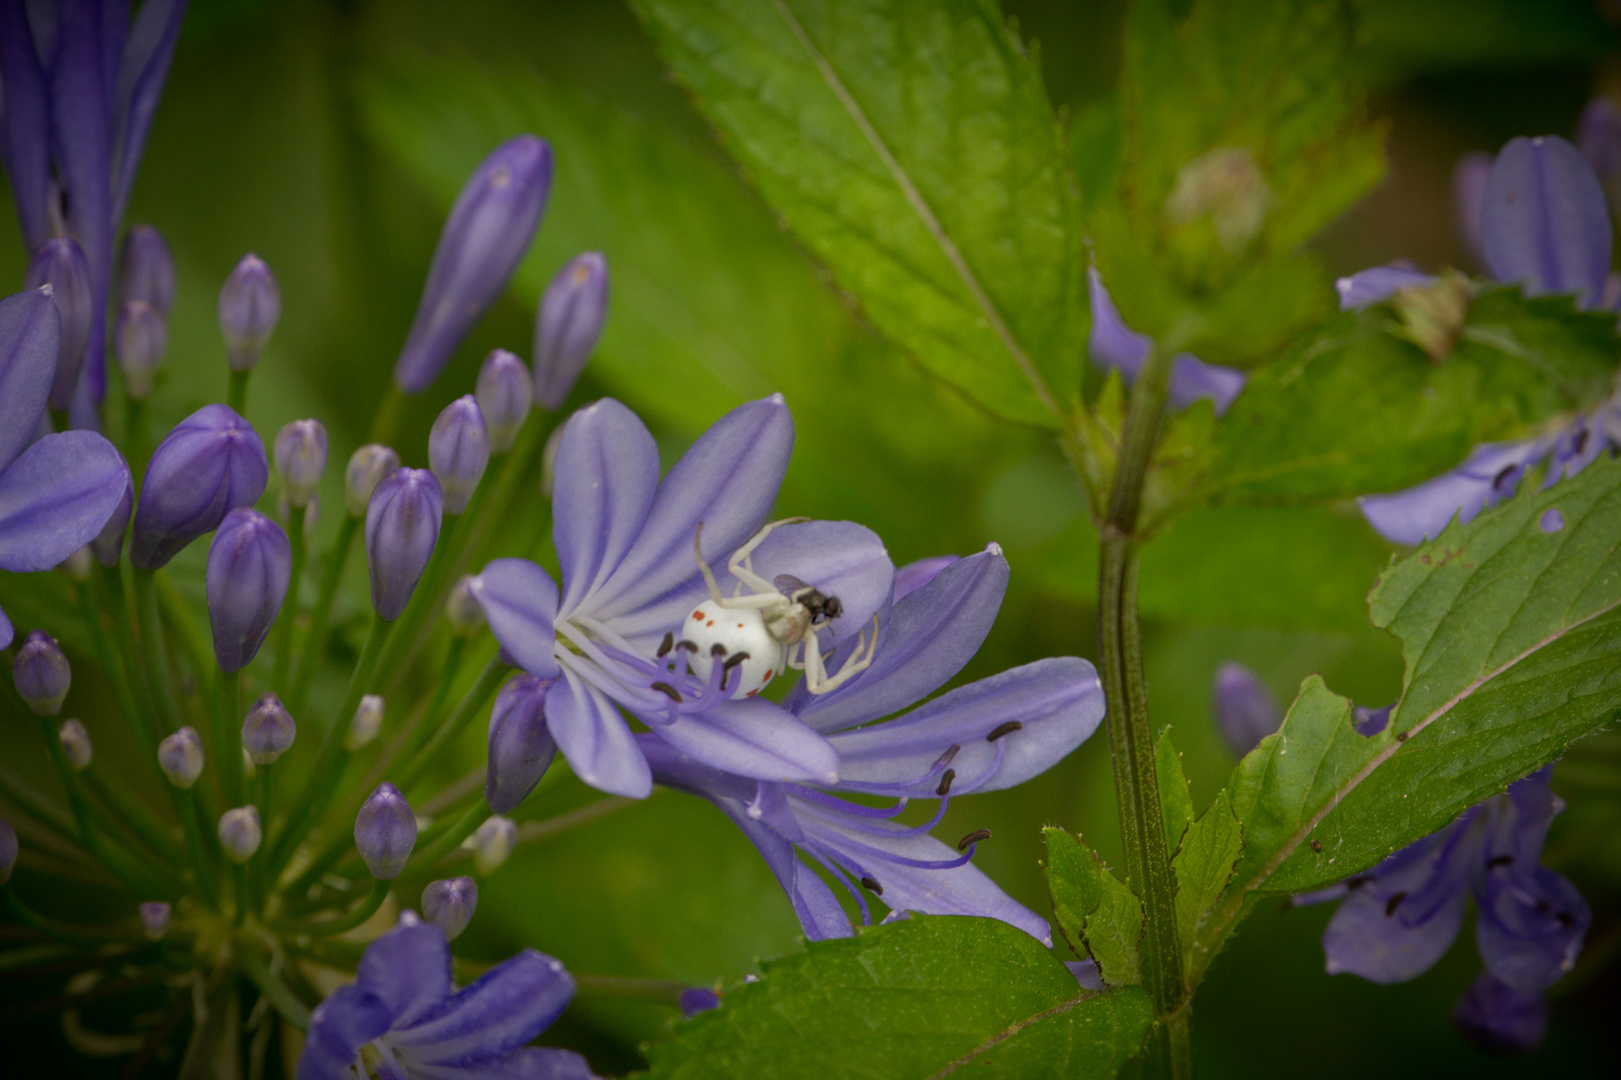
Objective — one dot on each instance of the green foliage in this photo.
(910, 146)
(1175, 797)
(1405, 37)
(1203, 865)
(926, 997)
(1097, 914)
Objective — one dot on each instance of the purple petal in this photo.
(915, 575)
(1377, 283)
(408, 968)
(1490, 472)
(726, 482)
(55, 498)
(1056, 702)
(519, 601)
(339, 1027)
(928, 637)
(1500, 1019)
(1113, 344)
(141, 73)
(1545, 222)
(30, 336)
(1598, 136)
(25, 124)
(1469, 177)
(505, 1008)
(1531, 926)
(1246, 712)
(1192, 379)
(595, 739)
(755, 738)
(607, 471)
(7, 631)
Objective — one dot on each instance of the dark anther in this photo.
(1401, 736)
(973, 838)
(1581, 440)
(872, 886)
(666, 644)
(1564, 919)
(1395, 902)
(1501, 860)
(1497, 481)
(949, 756)
(1004, 729)
(717, 649)
(667, 690)
(945, 783)
(1357, 882)
(1317, 846)
(1543, 907)
(687, 645)
(733, 660)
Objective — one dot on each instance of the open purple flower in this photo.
(1113, 344)
(985, 736)
(625, 541)
(404, 1016)
(56, 494)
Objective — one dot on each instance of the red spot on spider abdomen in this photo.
(698, 615)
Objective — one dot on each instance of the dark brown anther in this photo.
(1564, 919)
(668, 691)
(1497, 481)
(667, 644)
(687, 645)
(1395, 902)
(945, 783)
(872, 886)
(973, 838)
(1004, 729)
(1357, 882)
(1501, 860)
(717, 649)
(733, 660)
(949, 756)
(1317, 846)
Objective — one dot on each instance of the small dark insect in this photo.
(1317, 846)
(820, 607)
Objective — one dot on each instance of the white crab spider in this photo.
(760, 634)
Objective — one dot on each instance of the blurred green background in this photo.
(329, 138)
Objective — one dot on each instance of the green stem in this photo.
(236, 395)
(425, 859)
(282, 999)
(195, 647)
(112, 592)
(386, 422)
(368, 908)
(228, 735)
(1131, 736)
(195, 828)
(31, 803)
(531, 441)
(135, 439)
(289, 608)
(159, 682)
(315, 637)
(112, 664)
(135, 816)
(490, 678)
(78, 935)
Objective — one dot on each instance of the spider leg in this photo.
(741, 563)
(758, 601)
(858, 662)
(709, 575)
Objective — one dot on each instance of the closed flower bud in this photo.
(109, 544)
(449, 904)
(209, 465)
(459, 451)
(484, 239)
(250, 304)
(155, 919)
(60, 263)
(365, 724)
(521, 746)
(146, 269)
(8, 850)
(268, 730)
(505, 393)
(76, 744)
(250, 564)
(42, 673)
(385, 832)
(78, 565)
(180, 756)
(367, 467)
(492, 843)
(462, 610)
(301, 458)
(240, 833)
(1246, 711)
(402, 526)
(567, 326)
(140, 339)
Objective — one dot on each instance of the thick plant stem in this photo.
(157, 659)
(289, 607)
(368, 908)
(315, 637)
(236, 395)
(228, 734)
(1131, 736)
(479, 693)
(424, 860)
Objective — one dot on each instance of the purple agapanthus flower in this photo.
(56, 492)
(985, 736)
(625, 542)
(1399, 918)
(81, 80)
(1113, 344)
(403, 1019)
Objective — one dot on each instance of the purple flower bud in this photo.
(462, 610)
(250, 304)
(367, 467)
(60, 263)
(249, 565)
(146, 269)
(365, 724)
(76, 744)
(240, 833)
(155, 919)
(139, 340)
(459, 451)
(8, 850)
(568, 325)
(484, 239)
(402, 526)
(1500, 1019)
(449, 904)
(301, 458)
(42, 673)
(385, 832)
(268, 730)
(180, 756)
(1246, 711)
(110, 543)
(505, 394)
(521, 746)
(492, 843)
(696, 999)
(209, 465)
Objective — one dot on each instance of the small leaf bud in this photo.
(75, 744)
(180, 756)
(449, 904)
(268, 730)
(249, 305)
(365, 724)
(240, 833)
(385, 832)
(42, 673)
(505, 393)
(492, 843)
(367, 467)
(155, 919)
(300, 458)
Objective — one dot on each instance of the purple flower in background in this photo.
(1246, 712)
(988, 735)
(404, 1007)
(567, 326)
(1399, 918)
(60, 264)
(1113, 344)
(210, 464)
(1500, 1019)
(80, 80)
(631, 579)
(56, 494)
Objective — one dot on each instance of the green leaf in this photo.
(1357, 409)
(1097, 914)
(1405, 37)
(910, 146)
(1203, 866)
(1175, 797)
(930, 996)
